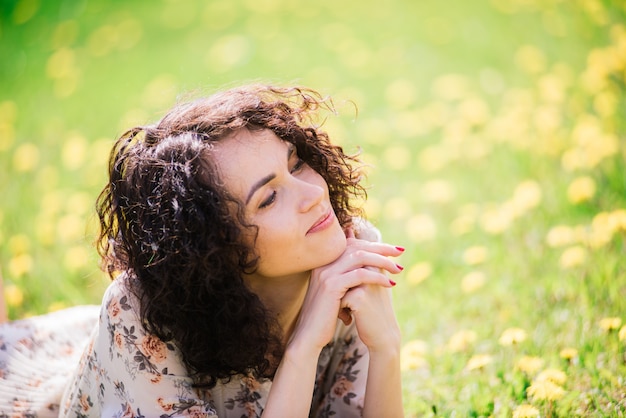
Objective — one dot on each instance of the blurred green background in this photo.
(494, 130)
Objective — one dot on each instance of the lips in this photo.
(322, 223)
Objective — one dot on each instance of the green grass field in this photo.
(495, 131)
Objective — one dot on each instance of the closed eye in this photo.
(268, 201)
(299, 164)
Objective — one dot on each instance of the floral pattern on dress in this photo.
(125, 372)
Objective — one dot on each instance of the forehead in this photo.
(244, 157)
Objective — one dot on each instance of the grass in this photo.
(495, 131)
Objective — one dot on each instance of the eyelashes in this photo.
(272, 198)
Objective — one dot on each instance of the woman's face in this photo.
(285, 198)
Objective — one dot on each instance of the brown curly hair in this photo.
(165, 222)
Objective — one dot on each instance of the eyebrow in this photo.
(256, 186)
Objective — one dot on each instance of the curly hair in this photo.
(165, 221)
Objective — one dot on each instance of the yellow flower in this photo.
(13, 295)
(618, 219)
(419, 272)
(529, 364)
(545, 390)
(397, 208)
(610, 323)
(412, 355)
(494, 221)
(462, 224)
(525, 411)
(415, 347)
(475, 255)
(561, 235)
(581, 189)
(473, 281)
(568, 353)
(74, 151)
(478, 362)
(20, 265)
(553, 375)
(438, 191)
(421, 227)
(622, 333)
(573, 257)
(461, 340)
(527, 195)
(26, 157)
(512, 336)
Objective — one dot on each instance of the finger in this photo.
(375, 247)
(350, 233)
(362, 259)
(361, 276)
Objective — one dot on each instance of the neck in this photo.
(282, 296)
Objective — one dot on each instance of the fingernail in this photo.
(392, 283)
(400, 267)
(400, 248)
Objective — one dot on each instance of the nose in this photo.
(310, 194)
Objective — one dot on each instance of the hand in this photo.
(363, 263)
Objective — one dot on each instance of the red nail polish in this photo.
(400, 267)
(392, 283)
(400, 248)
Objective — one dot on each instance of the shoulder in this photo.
(119, 300)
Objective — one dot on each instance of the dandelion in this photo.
(478, 362)
(527, 195)
(560, 236)
(438, 191)
(412, 355)
(473, 281)
(573, 257)
(421, 227)
(568, 353)
(622, 333)
(529, 364)
(512, 336)
(497, 220)
(581, 189)
(545, 390)
(397, 208)
(19, 244)
(74, 151)
(618, 219)
(553, 375)
(26, 157)
(419, 272)
(13, 295)
(20, 265)
(525, 411)
(475, 255)
(462, 340)
(530, 59)
(76, 257)
(462, 224)
(610, 324)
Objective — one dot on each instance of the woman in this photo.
(229, 232)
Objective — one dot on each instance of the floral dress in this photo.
(92, 361)
(125, 372)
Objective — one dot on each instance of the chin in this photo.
(336, 245)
